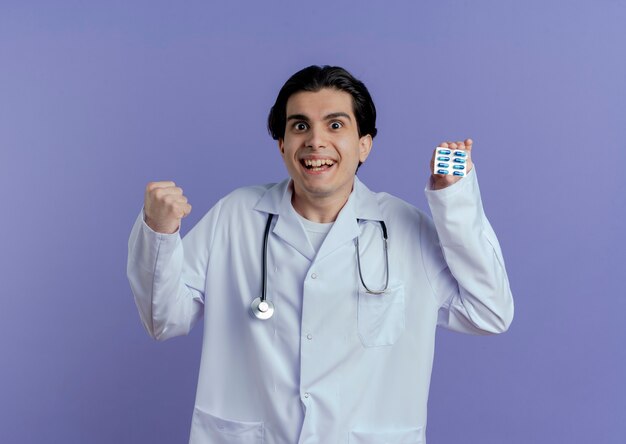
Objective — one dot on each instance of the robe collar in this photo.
(362, 204)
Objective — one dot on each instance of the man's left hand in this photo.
(440, 181)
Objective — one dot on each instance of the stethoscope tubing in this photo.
(264, 309)
(265, 239)
(358, 261)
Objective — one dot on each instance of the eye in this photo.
(300, 126)
(336, 125)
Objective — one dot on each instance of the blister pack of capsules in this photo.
(450, 162)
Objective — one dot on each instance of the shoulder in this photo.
(245, 201)
(394, 205)
(247, 194)
(409, 225)
(244, 198)
(395, 209)
(404, 219)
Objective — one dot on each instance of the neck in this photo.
(318, 209)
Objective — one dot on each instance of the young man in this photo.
(340, 349)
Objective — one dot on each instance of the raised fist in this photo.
(165, 206)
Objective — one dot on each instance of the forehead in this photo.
(322, 102)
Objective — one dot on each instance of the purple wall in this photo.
(96, 100)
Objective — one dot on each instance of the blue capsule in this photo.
(444, 158)
(443, 165)
(442, 151)
(460, 153)
(457, 160)
(459, 167)
(443, 171)
(458, 173)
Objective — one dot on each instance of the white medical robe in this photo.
(334, 364)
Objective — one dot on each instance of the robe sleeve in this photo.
(464, 262)
(167, 275)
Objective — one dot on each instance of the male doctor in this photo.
(340, 349)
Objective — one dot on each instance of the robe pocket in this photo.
(407, 436)
(207, 428)
(381, 316)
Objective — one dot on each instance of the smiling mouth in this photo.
(317, 164)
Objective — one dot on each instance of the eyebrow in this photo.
(326, 117)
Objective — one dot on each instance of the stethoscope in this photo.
(264, 309)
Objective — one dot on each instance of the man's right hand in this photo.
(165, 206)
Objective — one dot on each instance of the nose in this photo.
(315, 137)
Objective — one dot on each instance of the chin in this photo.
(320, 191)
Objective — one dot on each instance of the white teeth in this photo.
(316, 163)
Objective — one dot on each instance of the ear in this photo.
(281, 147)
(365, 146)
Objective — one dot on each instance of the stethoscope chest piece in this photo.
(262, 309)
